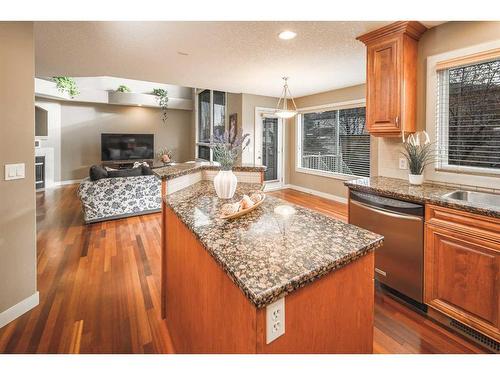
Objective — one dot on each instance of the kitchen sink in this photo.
(475, 197)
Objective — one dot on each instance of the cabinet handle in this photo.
(397, 121)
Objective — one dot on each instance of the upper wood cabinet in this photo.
(462, 268)
(391, 70)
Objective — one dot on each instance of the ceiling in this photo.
(230, 56)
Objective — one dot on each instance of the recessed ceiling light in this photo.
(287, 35)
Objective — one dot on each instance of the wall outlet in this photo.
(403, 163)
(275, 320)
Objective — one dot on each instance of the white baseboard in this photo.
(67, 182)
(19, 309)
(332, 197)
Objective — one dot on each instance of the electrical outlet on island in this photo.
(275, 320)
(403, 163)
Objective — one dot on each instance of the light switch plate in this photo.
(14, 171)
(275, 320)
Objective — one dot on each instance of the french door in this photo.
(269, 146)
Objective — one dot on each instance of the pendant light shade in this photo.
(282, 110)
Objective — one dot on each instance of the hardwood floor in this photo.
(100, 285)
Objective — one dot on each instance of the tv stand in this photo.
(125, 164)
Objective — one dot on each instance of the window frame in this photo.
(442, 138)
(357, 103)
(211, 121)
(455, 175)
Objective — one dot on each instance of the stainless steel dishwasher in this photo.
(399, 262)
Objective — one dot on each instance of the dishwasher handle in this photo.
(388, 204)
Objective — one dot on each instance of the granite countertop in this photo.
(426, 193)
(180, 169)
(269, 255)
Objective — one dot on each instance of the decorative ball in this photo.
(246, 202)
(256, 197)
(230, 208)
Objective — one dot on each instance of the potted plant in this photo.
(162, 99)
(123, 88)
(68, 85)
(419, 154)
(165, 156)
(226, 149)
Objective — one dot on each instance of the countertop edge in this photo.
(195, 168)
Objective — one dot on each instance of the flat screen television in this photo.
(126, 146)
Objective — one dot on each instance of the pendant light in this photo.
(283, 111)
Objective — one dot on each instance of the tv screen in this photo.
(127, 146)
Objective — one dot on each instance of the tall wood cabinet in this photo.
(462, 268)
(391, 71)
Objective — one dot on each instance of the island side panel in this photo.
(163, 246)
(331, 315)
(206, 312)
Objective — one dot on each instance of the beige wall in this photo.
(446, 37)
(82, 125)
(249, 102)
(17, 134)
(322, 184)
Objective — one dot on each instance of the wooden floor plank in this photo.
(100, 288)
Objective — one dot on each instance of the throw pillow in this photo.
(146, 170)
(97, 172)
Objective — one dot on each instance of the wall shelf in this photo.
(47, 89)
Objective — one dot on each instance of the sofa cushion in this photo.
(146, 170)
(97, 172)
(125, 172)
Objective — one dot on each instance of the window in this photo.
(468, 121)
(211, 120)
(334, 141)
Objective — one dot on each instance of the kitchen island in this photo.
(221, 276)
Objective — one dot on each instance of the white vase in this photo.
(416, 179)
(225, 184)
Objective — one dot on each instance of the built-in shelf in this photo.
(146, 100)
(47, 89)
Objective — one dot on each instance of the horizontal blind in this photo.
(468, 117)
(336, 141)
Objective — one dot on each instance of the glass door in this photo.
(270, 148)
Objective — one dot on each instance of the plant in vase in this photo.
(226, 148)
(418, 151)
(123, 88)
(165, 156)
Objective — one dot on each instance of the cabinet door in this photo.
(383, 87)
(462, 278)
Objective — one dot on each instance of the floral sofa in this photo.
(118, 197)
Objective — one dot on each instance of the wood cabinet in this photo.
(462, 268)
(391, 70)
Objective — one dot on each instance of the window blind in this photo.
(468, 117)
(335, 141)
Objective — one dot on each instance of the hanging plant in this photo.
(162, 99)
(68, 85)
(123, 88)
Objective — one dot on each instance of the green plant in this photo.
(67, 84)
(227, 147)
(162, 99)
(418, 154)
(123, 88)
